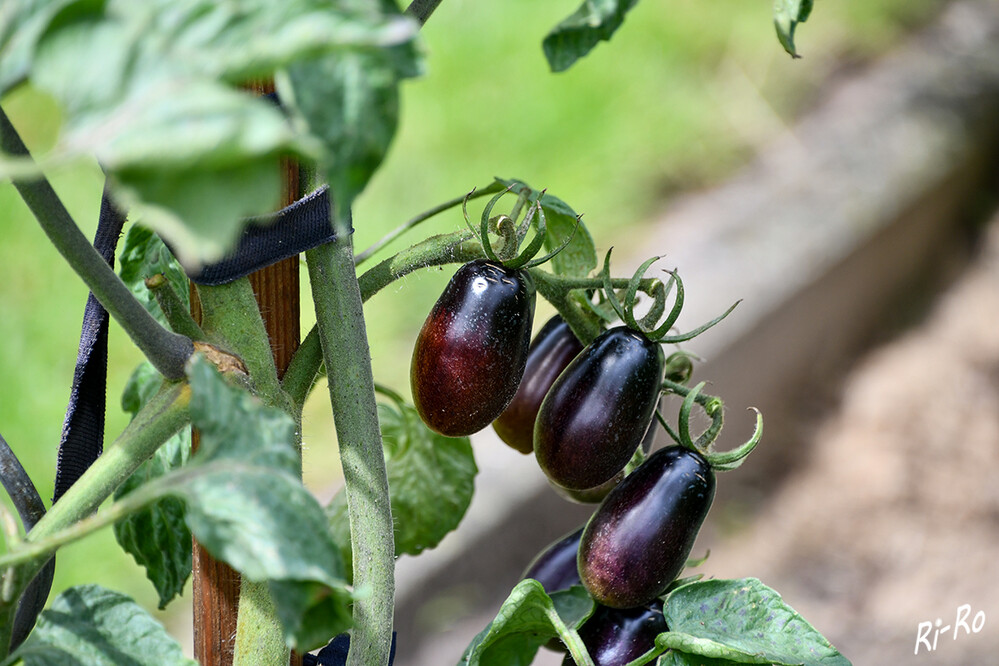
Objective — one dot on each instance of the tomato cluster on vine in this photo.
(584, 411)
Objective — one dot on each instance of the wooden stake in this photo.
(216, 585)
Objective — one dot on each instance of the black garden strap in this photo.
(268, 239)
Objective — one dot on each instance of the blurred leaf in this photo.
(527, 620)
(574, 37)
(350, 101)
(431, 482)
(750, 624)
(787, 15)
(579, 257)
(143, 256)
(22, 24)
(97, 627)
(675, 658)
(247, 506)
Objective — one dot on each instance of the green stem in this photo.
(450, 248)
(552, 288)
(340, 317)
(164, 414)
(422, 217)
(422, 9)
(230, 318)
(177, 313)
(166, 350)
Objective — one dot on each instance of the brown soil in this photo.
(894, 518)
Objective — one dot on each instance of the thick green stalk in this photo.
(422, 9)
(340, 317)
(166, 350)
(231, 318)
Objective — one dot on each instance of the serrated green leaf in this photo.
(574, 37)
(431, 482)
(92, 626)
(247, 506)
(744, 621)
(142, 256)
(527, 620)
(675, 658)
(579, 257)
(787, 15)
(157, 537)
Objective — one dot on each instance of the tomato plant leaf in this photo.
(92, 625)
(157, 537)
(749, 623)
(677, 658)
(574, 37)
(142, 256)
(350, 101)
(247, 506)
(787, 15)
(579, 257)
(431, 482)
(527, 620)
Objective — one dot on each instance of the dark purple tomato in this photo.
(598, 410)
(615, 637)
(552, 349)
(471, 351)
(555, 566)
(638, 540)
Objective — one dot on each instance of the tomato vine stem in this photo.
(345, 351)
(166, 350)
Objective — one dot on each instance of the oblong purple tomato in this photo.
(638, 540)
(471, 352)
(555, 566)
(597, 411)
(553, 348)
(615, 637)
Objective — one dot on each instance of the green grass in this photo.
(676, 101)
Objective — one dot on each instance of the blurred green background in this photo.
(676, 101)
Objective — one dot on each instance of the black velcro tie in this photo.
(270, 238)
(83, 430)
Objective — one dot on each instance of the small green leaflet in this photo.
(742, 621)
(579, 257)
(526, 621)
(787, 15)
(431, 482)
(157, 537)
(92, 626)
(246, 505)
(575, 36)
(142, 256)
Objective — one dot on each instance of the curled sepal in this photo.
(564, 244)
(729, 460)
(683, 337)
(524, 258)
(611, 295)
(713, 407)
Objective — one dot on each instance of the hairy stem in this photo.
(166, 350)
(177, 314)
(340, 317)
(422, 9)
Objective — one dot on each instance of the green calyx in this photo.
(511, 233)
(650, 325)
(703, 444)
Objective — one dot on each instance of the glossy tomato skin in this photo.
(615, 637)
(598, 410)
(555, 566)
(471, 352)
(639, 538)
(553, 348)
